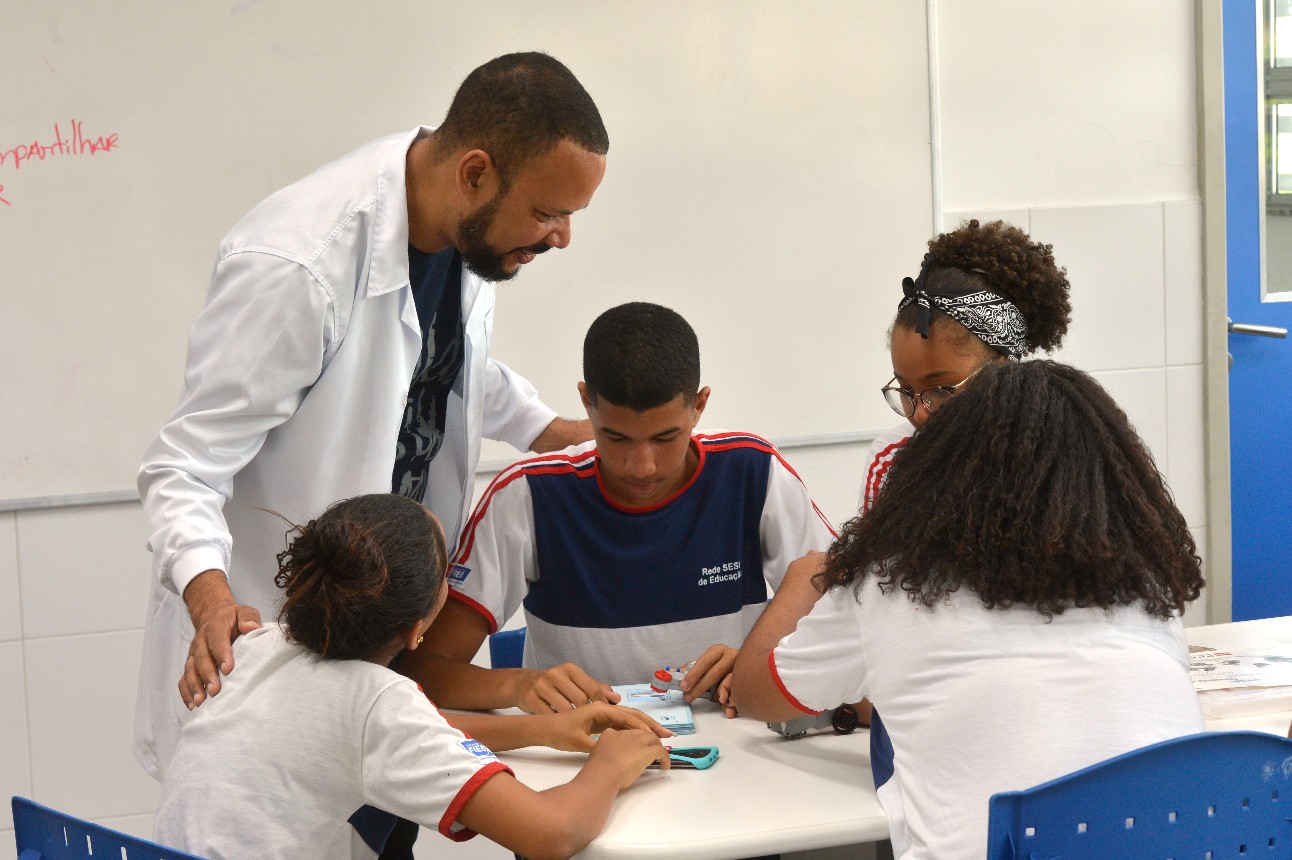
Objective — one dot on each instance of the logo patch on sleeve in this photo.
(458, 573)
(478, 750)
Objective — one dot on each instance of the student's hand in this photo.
(709, 671)
(572, 730)
(801, 575)
(561, 688)
(217, 620)
(724, 698)
(629, 751)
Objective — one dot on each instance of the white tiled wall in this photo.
(1136, 275)
(15, 758)
(106, 545)
(10, 610)
(71, 602)
(80, 700)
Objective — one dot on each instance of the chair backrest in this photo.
(1205, 796)
(45, 834)
(507, 649)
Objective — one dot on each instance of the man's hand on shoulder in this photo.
(217, 620)
(561, 688)
(562, 433)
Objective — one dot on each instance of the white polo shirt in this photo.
(978, 701)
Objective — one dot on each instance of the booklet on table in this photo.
(1247, 682)
(667, 708)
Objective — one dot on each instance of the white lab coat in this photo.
(298, 372)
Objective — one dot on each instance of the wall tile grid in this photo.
(1136, 275)
(106, 566)
(10, 595)
(1136, 325)
(79, 583)
(15, 761)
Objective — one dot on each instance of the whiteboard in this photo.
(768, 177)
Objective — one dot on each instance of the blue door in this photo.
(1260, 378)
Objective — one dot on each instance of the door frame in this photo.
(1209, 34)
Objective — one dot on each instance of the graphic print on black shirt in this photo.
(437, 292)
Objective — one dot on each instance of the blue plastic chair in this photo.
(45, 834)
(1204, 797)
(507, 649)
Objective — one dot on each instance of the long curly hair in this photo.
(1009, 264)
(360, 575)
(1028, 487)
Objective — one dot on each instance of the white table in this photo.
(769, 794)
(811, 792)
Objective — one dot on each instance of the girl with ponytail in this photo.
(315, 745)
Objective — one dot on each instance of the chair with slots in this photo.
(1207, 796)
(46, 834)
(507, 649)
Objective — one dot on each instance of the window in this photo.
(1276, 229)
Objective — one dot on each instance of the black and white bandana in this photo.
(991, 318)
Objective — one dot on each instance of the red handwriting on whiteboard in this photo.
(75, 142)
(2, 200)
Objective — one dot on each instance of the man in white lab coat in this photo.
(344, 349)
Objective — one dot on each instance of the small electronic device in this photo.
(843, 720)
(697, 758)
(670, 678)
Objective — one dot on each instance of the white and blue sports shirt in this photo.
(624, 591)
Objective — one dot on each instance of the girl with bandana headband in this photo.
(984, 293)
(314, 746)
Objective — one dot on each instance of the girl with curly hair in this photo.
(985, 293)
(315, 745)
(1011, 604)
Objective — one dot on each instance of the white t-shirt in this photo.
(883, 449)
(979, 701)
(293, 746)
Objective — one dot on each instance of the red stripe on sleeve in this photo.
(727, 441)
(464, 794)
(488, 616)
(558, 463)
(878, 468)
(780, 685)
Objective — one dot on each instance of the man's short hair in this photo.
(518, 106)
(640, 356)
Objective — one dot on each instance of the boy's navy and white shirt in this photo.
(624, 591)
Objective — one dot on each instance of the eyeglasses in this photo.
(903, 400)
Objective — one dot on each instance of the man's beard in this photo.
(481, 258)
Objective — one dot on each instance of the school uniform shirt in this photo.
(625, 591)
(883, 450)
(297, 379)
(979, 701)
(283, 761)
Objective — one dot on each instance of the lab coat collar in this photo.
(388, 259)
